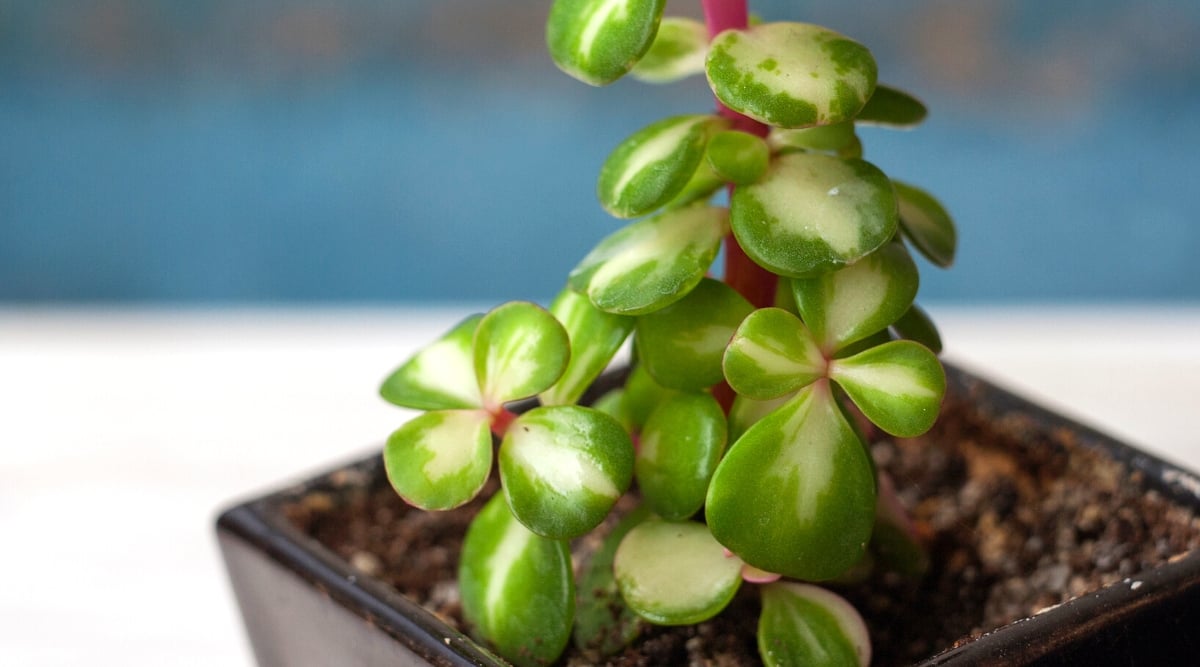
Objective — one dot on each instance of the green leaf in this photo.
(791, 74)
(894, 541)
(642, 395)
(772, 354)
(518, 589)
(898, 385)
(520, 350)
(891, 107)
(440, 459)
(440, 376)
(802, 624)
(598, 41)
(916, 325)
(848, 305)
(678, 51)
(651, 263)
(655, 164)
(834, 138)
(595, 337)
(563, 468)
(738, 157)
(675, 573)
(747, 412)
(813, 213)
(796, 493)
(681, 345)
(679, 449)
(603, 623)
(702, 186)
(927, 224)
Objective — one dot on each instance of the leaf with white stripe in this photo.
(595, 338)
(440, 376)
(440, 459)
(653, 262)
(679, 448)
(677, 52)
(791, 74)
(813, 213)
(520, 350)
(898, 385)
(927, 224)
(518, 589)
(599, 41)
(892, 107)
(563, 468)
(772, 354)
(802, 624)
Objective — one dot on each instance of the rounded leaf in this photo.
(678, 451)
(641, 396)
(747, 412)
(802, 624)
(520, 350)
(916, 325)
(440, 459)
(603, 623)
(927, 224)
(835, 138)
(598, 41)
(898, 385)
(791, 74)
(595, 338)
(813, 213)
(891, 107)
(772, 354)
(738, 157)
(440, 376)
(675, 573)
(678, 51)
(563, 468)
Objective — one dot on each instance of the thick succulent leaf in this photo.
(681, 345)
(835, 138)
(791, 74)
(772, 354)
(599, 41)
(520, 350)
(927, 224)
(595, 338)
(603, 624)
(654, 165)
(440, 376)
(892, 107)
(679, 449)
(675, 573)
(747, 412)
(563, 468)
(916, 325)
(678, 51)
(813, 213)
(738, 157)
(850, 304)
(641, 396)
(651, 263)
(440, 459)
(518, 589)
(796, 493)
(898, 385)
(702, 186)
(802, 624)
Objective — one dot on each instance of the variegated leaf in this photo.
(738, 157)
(595, 337)
(675, 573)
(802, 624)
(603, 623)
(848, 305)
(441, 376)
(655, 164)
(813, 213)
(681, 345)
(891, 107)
(916, 325)
(678, 451)
(678, 51)
(898, 385)
(653, 262)
(599, 41)
(518, 589)
(796, 493)
(791, 74)
(563, 468)
(927, 224)
(520, 350)
(440, 459)
(772, 354)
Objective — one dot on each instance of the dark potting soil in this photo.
(1015, 522)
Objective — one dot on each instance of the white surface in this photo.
(123, 433)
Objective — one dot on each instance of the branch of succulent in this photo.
(813, 328)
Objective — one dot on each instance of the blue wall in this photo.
(234, 151)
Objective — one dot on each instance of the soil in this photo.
(1015, 520)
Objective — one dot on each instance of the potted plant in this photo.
(733, 460)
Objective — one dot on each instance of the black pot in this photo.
(304, 605)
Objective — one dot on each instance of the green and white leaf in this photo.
(852, 303)
(916, 325)
(679, 449)
(796, 493)
(837, 139)
(520, 350)
(813, 213)
(892, 107)
(603, 623)
(563, 468)
(595, 338)
(677, 52)
(599, 41)
(681, 345)
(440, 376)
(675, 573)
(440, 459)
(772, 354)
(898, 385)
(738, 157)
(653, 166)
(518, 589)
(653, 262)
(791, 74)
(927, 224)
(802, 624)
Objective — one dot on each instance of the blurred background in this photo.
(364, 151)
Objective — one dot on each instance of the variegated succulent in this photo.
(738, 435)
